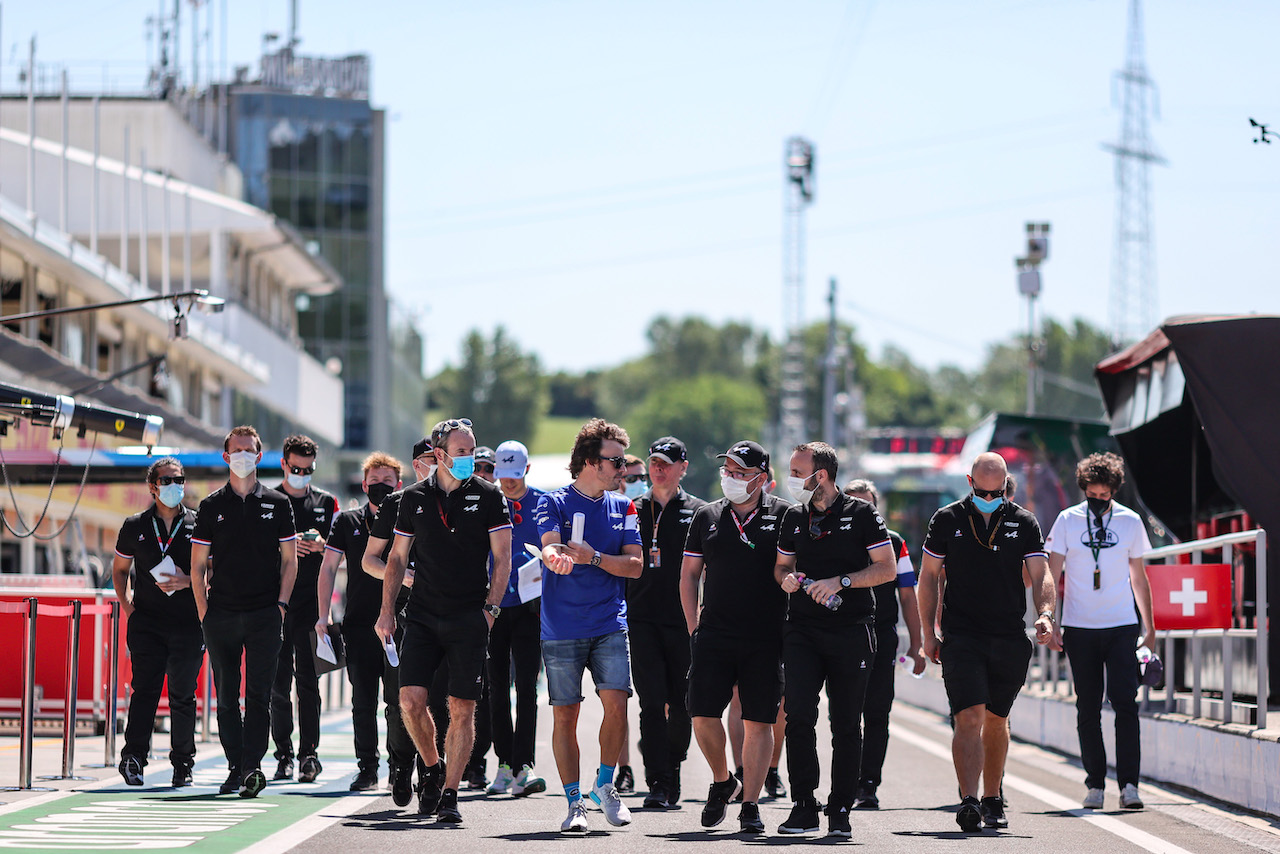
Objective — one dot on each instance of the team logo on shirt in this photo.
(269, 514)
(846, 527)
(471, 497)
(1010, 535)
(1096, 538)
(471, 508)
(959, 533)
(762, 527)
(142, 538)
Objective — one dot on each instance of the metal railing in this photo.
(1053, 676)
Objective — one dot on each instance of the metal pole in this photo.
(31, 130)
(143, 235)
(73, 688)
(1228, 687)
(166, 256)
(829, 372)
(113, 684)
(1264, 680)
(28, 697)
(1031, 355)
(124, 207)
(186, 238)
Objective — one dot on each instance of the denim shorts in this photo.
(608, 657)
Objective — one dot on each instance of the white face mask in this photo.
(297, 481)
(737, 491)
(243, 463)
(796, 486)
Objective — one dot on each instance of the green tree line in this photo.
(713, 384)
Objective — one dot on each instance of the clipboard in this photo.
(320, 657)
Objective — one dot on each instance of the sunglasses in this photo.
(815, 525)
(165, 480)
(988, 493)
(486, 468)
(634, 478)
(311, 469)
(447, 427)
(618, 462)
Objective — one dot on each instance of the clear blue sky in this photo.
(572, 169)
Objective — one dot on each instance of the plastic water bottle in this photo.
(1144, 654)
(908, 664)
(833, 603)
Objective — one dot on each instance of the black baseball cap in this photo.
(669, 449)
(484, 452)
(748, 454)
(422, 446)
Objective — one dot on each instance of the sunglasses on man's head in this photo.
(447, 427)
(165, 479)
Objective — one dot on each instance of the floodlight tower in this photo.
(1133, 309)
(798, 173)
(1029, 286)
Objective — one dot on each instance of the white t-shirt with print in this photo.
(1125, 537)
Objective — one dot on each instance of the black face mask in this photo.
(378, 492)
(1098, 506)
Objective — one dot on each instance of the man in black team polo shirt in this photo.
(401, 754)
(730, 555)
(163, 632)
(365, 657)
(450, 522)
(313, 512)
(832, 550)
(659, 637)
(247, 530)
(984, 539)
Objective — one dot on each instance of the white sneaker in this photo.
(1129, 798)
(576, 821)
(1093, 799)
(615, 811)
(527, 783)
(501, 781)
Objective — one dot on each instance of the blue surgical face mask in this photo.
(170, 495)
(987, 505)
(635, 490)
(298, 481)
(463, 467)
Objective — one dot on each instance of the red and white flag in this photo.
(1191, 596)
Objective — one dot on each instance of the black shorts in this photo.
(720, 661)
(984, 670)
(462, 639)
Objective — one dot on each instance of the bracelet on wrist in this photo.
(283, 604)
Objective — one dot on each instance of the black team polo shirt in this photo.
(244, 537)
(654, 597)
(349, 537)
(314, 509)
(985, 594)
(145, 539)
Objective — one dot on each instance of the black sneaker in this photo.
(309, 770)
(474, 775)
(866, 800)
(993, 813)
(625, 783)
(773, 784)
(401, 784)
(131, 770)
(232, 783)
(181, 777)
(749, 819)
(447, 809)
(658, 796)
(366, 779)
(284, 769)
(803, 818)
(254, 782)
(429, 787)
(838, 821)
(969, 816)
(718, 797)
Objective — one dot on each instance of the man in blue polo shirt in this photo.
(590, 545)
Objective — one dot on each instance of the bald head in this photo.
(989, 472)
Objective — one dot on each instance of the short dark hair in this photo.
(824, 457)
(1105, 468)
(243, 430)
(380, 460)
(303, 446)
(861, 484)
(587, 445)
(153, 470)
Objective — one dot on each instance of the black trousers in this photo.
(841, 659)
(660, 668)
(367, 666)
(296, 665)
(875, 708)
(1104, 658)
(157, 650)
(515, 652)
(255, 635)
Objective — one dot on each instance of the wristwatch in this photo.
(493, 610)
(1048, 614)
(846, 581)
(595, 559)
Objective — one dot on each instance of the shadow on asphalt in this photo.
(960, 834)
(394, 820)
(741, 839)
(548, 835)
